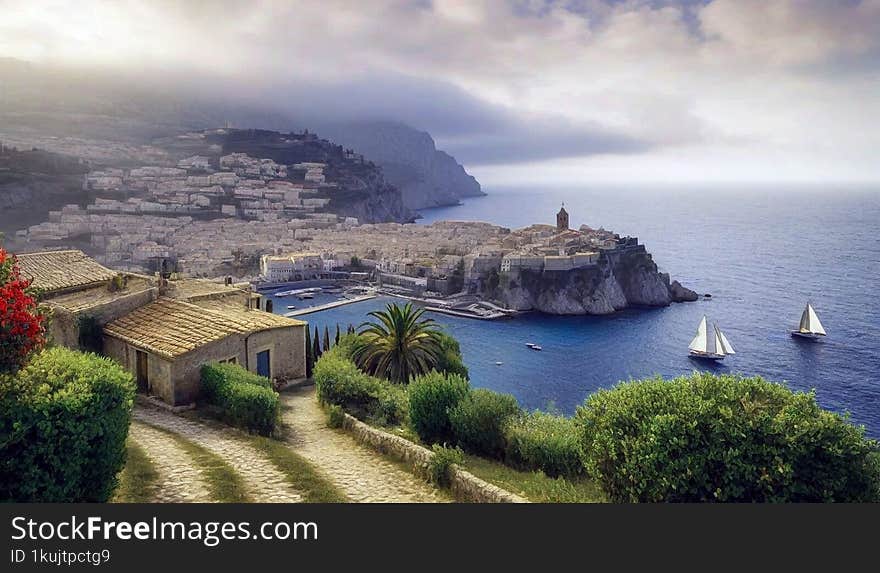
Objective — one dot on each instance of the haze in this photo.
(547, 92)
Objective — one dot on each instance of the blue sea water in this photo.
(761, 252)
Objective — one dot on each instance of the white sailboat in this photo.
(709, 344)
(809, 327)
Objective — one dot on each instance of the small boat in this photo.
(305, 296)
(499, 363)
(809, 327)
(709, 345)
(290, 307)
(530, 344)
(536, 347)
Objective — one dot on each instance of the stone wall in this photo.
(465, 485)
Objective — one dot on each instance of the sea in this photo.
(762, 252)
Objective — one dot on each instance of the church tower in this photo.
(562, 219)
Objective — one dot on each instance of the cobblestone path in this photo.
(180, 481)
(363, 474)
(265, 483)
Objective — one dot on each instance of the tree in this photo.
(338, 334)
(310, 354)
(449, 360)
(399, 346)
(316, 348)
(22, 325)
(326, 338)
(355, 262)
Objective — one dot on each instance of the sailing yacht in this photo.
(809, 327)
(709, 345)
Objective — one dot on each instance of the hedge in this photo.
(63, 424)
(723, 438)
(431, 397)
(478, 421)
(243, 398)
(545, 442)
(339, 381)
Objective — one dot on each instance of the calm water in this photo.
(761, 253)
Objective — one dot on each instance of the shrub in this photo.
(335, 416)
(440, 466)
(478, 421)
(63, 424)
(449, 359)
(431, 397)
(545, 442)
(244, 399)
(22, 325)
(340, 382)
(723, 438)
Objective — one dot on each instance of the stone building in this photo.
(165, 344)
(562, 219)
(83, 295)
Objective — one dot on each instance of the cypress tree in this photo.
(326, 338)
(310, 354)
(337, 333)
(316, 341)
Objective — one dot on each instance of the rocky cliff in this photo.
(426, 176)
(618, 281)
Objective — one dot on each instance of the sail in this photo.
(725, 344)
(804, 325)
(815, 325)
(699, 343)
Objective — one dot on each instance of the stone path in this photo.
(264, 482)
(361, 473)
(180, 481)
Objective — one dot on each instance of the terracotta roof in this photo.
(62, 270)
(171, 327)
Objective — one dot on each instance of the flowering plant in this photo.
(22, 325)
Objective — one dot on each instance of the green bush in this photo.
(431, 397)
(723, 438)
(339, 381)
(545, 442)
(63, 424)
(478, 421)
(243, 399)
(440, 467)
(335, 416)
(449, 360)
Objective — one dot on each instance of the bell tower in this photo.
(562, 219)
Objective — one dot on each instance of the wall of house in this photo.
(286, 351)
(186, 370)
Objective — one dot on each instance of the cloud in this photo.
(513, 82)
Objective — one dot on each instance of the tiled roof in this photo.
(192, 289)
(171, 327)
(62, 270)
(87, 298)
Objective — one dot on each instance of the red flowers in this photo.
(22, 329)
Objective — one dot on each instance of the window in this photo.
(232, 360)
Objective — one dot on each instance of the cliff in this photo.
(426, 176)
(618, 281)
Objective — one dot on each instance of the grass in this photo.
(138, 479)
(534, 486)
(224, 483)
(314, 487)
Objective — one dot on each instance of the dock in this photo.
(467, 314)
(328, 306)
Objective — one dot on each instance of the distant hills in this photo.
(48, 101)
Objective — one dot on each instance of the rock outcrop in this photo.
(426, 176)
(618, 281)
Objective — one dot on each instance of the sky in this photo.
(530, 91)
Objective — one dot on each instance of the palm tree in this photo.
(400, 345)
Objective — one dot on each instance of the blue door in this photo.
(263, 364)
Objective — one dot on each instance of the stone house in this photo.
(83, 295)
(165, 343)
